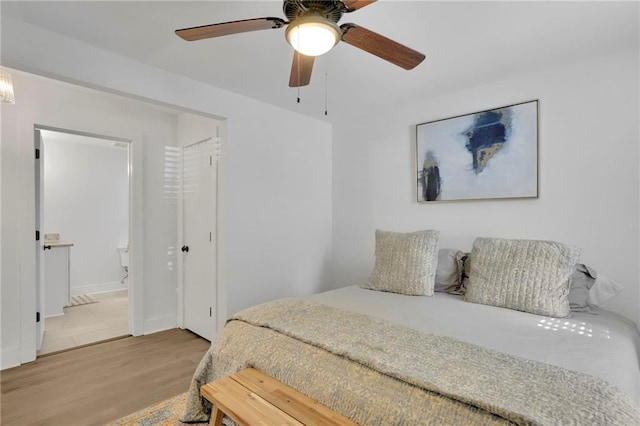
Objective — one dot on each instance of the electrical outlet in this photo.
(52, 237)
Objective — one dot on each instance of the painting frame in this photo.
(492, 154)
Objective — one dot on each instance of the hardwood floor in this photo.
(96, 384)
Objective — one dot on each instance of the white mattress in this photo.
(603, 345)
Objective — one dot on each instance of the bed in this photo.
(379, 357)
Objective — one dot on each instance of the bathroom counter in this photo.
(58, 243)
(57, 291)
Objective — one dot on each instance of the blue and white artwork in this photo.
(488, 154)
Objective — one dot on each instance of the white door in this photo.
(199, 188)
(39, 181)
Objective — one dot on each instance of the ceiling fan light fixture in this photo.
(313, 35)
(6, 87)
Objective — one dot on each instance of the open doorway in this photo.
(83, 214)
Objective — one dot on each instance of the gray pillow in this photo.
(449, 271)
(466, 271)
(525, 275)
(581, 281)
(405, 263)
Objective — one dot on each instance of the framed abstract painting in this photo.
(489, 154)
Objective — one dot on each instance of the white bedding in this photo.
(603, 345)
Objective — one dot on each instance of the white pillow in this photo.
(602, 290)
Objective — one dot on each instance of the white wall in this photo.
(277, 192)
(51, 103)
(589, 195)
(86, 201)
(10, 295)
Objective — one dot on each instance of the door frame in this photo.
(39, 243)
(135, 235)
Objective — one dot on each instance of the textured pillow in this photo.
(587, 289)
(525, 275)
(405, 263)
(449, 271)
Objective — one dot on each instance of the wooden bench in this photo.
(250, 397)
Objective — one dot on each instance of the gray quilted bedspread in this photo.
(379, 373)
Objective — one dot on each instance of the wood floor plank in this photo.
(100, 383)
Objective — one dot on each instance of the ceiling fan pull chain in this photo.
(298, 59)
(326, 85)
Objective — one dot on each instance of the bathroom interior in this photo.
(84, 219)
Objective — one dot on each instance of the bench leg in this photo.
(216, 417)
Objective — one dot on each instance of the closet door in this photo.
(199, 189)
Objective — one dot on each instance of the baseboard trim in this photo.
(10, 358)
(154, 325)
(98, 288)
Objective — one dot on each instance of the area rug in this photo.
(165, 413)
(81, 299)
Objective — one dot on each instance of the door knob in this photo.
(46, 247)
(185, 249)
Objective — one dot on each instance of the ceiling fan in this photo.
(312, 31)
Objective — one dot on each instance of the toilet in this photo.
(124, 261)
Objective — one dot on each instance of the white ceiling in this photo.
(466, 43)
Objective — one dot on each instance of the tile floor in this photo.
(84, 324)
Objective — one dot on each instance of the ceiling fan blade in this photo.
(356, 4)
(301, 69)
(226, 28)
(381, 46)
